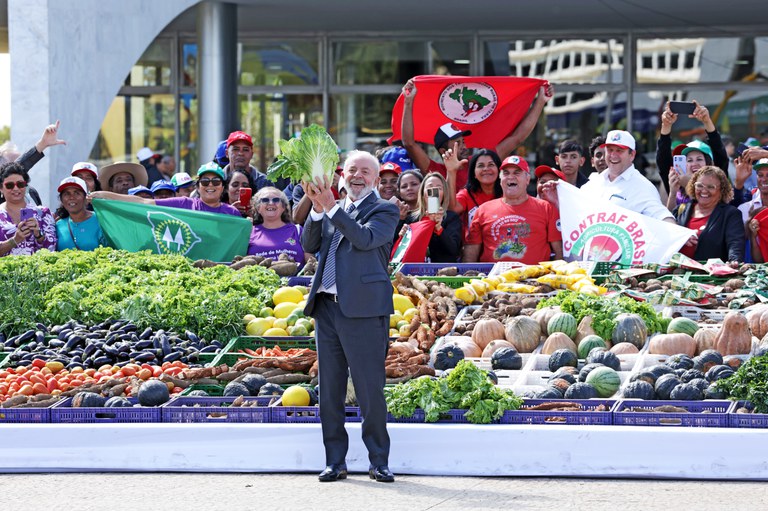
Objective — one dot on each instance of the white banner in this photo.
(597, 230)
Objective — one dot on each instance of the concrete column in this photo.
(217, 75)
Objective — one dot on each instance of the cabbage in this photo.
(310, 156)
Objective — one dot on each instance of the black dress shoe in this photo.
(333, 473)
(382, 474)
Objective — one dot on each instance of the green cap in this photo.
(211, 167)
(697, 145)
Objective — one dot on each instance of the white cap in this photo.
(73, 181)
(620, 138)
(181, 179)
(145, 153)
(84, 165)
(341, 183)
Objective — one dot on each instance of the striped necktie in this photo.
(329, 272)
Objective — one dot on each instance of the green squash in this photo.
(448, 356)
(88, 400)
(639, 389)
(665, 385)
(686, 392)
(601, 356)
(630, 328)
(153, 393)
(504, 358)
(580, 390)
(561, 358)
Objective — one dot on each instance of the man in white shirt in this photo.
(621, 183)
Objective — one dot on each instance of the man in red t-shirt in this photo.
(448, 137)
(516, 227)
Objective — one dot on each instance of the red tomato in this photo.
(39, 388)
(38, 363)
(52, 385)
(157, 371)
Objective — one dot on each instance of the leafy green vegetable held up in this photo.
(310, 156)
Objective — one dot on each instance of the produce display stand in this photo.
(423, 449)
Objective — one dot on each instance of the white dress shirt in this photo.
(630, 190)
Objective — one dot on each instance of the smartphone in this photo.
(245, 196)
(740, 149)
(27, 213)
(680, 163)
(433, 200)
(682, 107)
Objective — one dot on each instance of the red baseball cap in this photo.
(516, 161)
(390, 167)
(238, 136)
(546, 169)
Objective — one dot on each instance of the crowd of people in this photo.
(486, 204)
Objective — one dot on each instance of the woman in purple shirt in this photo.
(210, 187)
(24, 229)
(274, 233)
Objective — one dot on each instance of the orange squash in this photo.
(524, 333)
(757, 319)
(486, 330)
(672, 344)
(558, 341)
(494, 346)
(705, 339)
(624, 348)
(734, 337)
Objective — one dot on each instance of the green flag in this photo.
(163, 230)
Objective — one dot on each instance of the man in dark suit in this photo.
(351, 300)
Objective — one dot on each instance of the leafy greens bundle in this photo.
(310, 156)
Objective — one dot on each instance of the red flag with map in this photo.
(490, 107)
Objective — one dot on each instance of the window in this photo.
(279, 63)
(378, 62)
(153, 68)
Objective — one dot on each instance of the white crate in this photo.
(696, 313)
(508, 378)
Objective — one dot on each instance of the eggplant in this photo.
(142, 345)
(55, 343)
(25, 337)
(191, 336)
(172, 357)
(209, 349)
(146, 334)
(72, 341)
(144, 356)
(56, 329)
(100, 361)
(64, 333)
(111, 350)
(130, 327)
(39, 336)
(165, 345)
(90, 348)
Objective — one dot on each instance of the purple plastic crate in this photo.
(746, 420)
(14, 415)
(455, 416)
(62, 412)
(708, 413)
(294, 414)
(590, 416)
(299, 281)
(430, 269)
(215, 409)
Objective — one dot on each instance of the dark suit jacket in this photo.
(362, 281)
(723, 236)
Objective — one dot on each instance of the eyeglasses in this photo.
(215, 181)
(702, 186)
(267, 200)
(18, 184)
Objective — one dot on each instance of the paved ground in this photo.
(232, 492)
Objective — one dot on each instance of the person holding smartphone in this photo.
(433, 207)
(239, 190)
(23, 229)
(719, 156)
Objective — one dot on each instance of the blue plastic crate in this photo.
(15, 415)
(300, 281)
(430, 269)
(215, 409)
(708, 413)
(293, 414)
(589, 416)
(455, 416)
(746, 420)
(62, 412)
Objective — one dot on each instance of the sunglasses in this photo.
(215, 181)
(267, 200)
(18, 184)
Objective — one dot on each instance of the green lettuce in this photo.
(310, 156)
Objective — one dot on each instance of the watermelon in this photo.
(562, 322)
(682, 326)
(589, 342)
(605, 380)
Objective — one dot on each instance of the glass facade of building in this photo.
(350, 84)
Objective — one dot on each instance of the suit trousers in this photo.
(360, 344)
